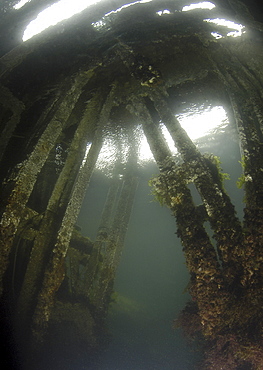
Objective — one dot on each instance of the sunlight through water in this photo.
(64, 9)
(163, 12)
(198, 123)
(202, 5)
(20, 4)
(114, 150)
(56, 13)
(127, 6)
(102, 22)
(239, 28)
(196, 120)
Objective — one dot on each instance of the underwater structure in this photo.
(116, 68)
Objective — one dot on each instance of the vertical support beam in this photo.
(152, 131)
(206, 277)
(27, 175)
(54, 271)
(183, 143)
(106, 256)
(245, 96)
(44, 241)
(205, 175)
(16, 107)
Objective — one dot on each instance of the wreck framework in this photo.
(61, 93)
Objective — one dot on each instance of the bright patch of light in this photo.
(115, 149)
(234, 33)
(229, 24)
(196, 121)
(145, 153)
(162, 12)
(102, 22)
(20, 4)
(99, 24)
(202, 5)
(198, 124)
(54, 14)
(168, 139)
(86, 154)
(127, 6)
(216, 35)
(107, 156)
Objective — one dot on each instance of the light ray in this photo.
(21, 4)
(239, 28)
(202, 5)
(54, 14)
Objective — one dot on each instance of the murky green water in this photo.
(152, 276)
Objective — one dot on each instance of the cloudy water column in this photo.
(112, 231)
